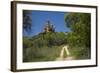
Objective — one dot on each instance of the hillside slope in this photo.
(43, 47)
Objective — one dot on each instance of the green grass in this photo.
(42, 54)
(51, 53)
(48, 48)
(80, 53)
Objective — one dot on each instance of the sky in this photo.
(39, 19)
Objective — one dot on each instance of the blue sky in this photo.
(39, 19)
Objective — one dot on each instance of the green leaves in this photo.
(27, 20)
(79, 39)
(50, 39)
(43, 47)
(80, 24)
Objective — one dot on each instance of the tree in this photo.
(80, 24)
(27, 20)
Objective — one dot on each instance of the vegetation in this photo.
(27, 20)
(47, 46)
(43, 47)
(79, 37)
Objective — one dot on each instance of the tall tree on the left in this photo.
(27, 21)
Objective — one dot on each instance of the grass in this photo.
(80, 53)
(42, 54)
(48, 48)
(51, 53)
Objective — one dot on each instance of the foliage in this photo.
(43, 47)
(80, 24)
(27, 20)
(47, 46)
(80, 52)
(79, 38)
